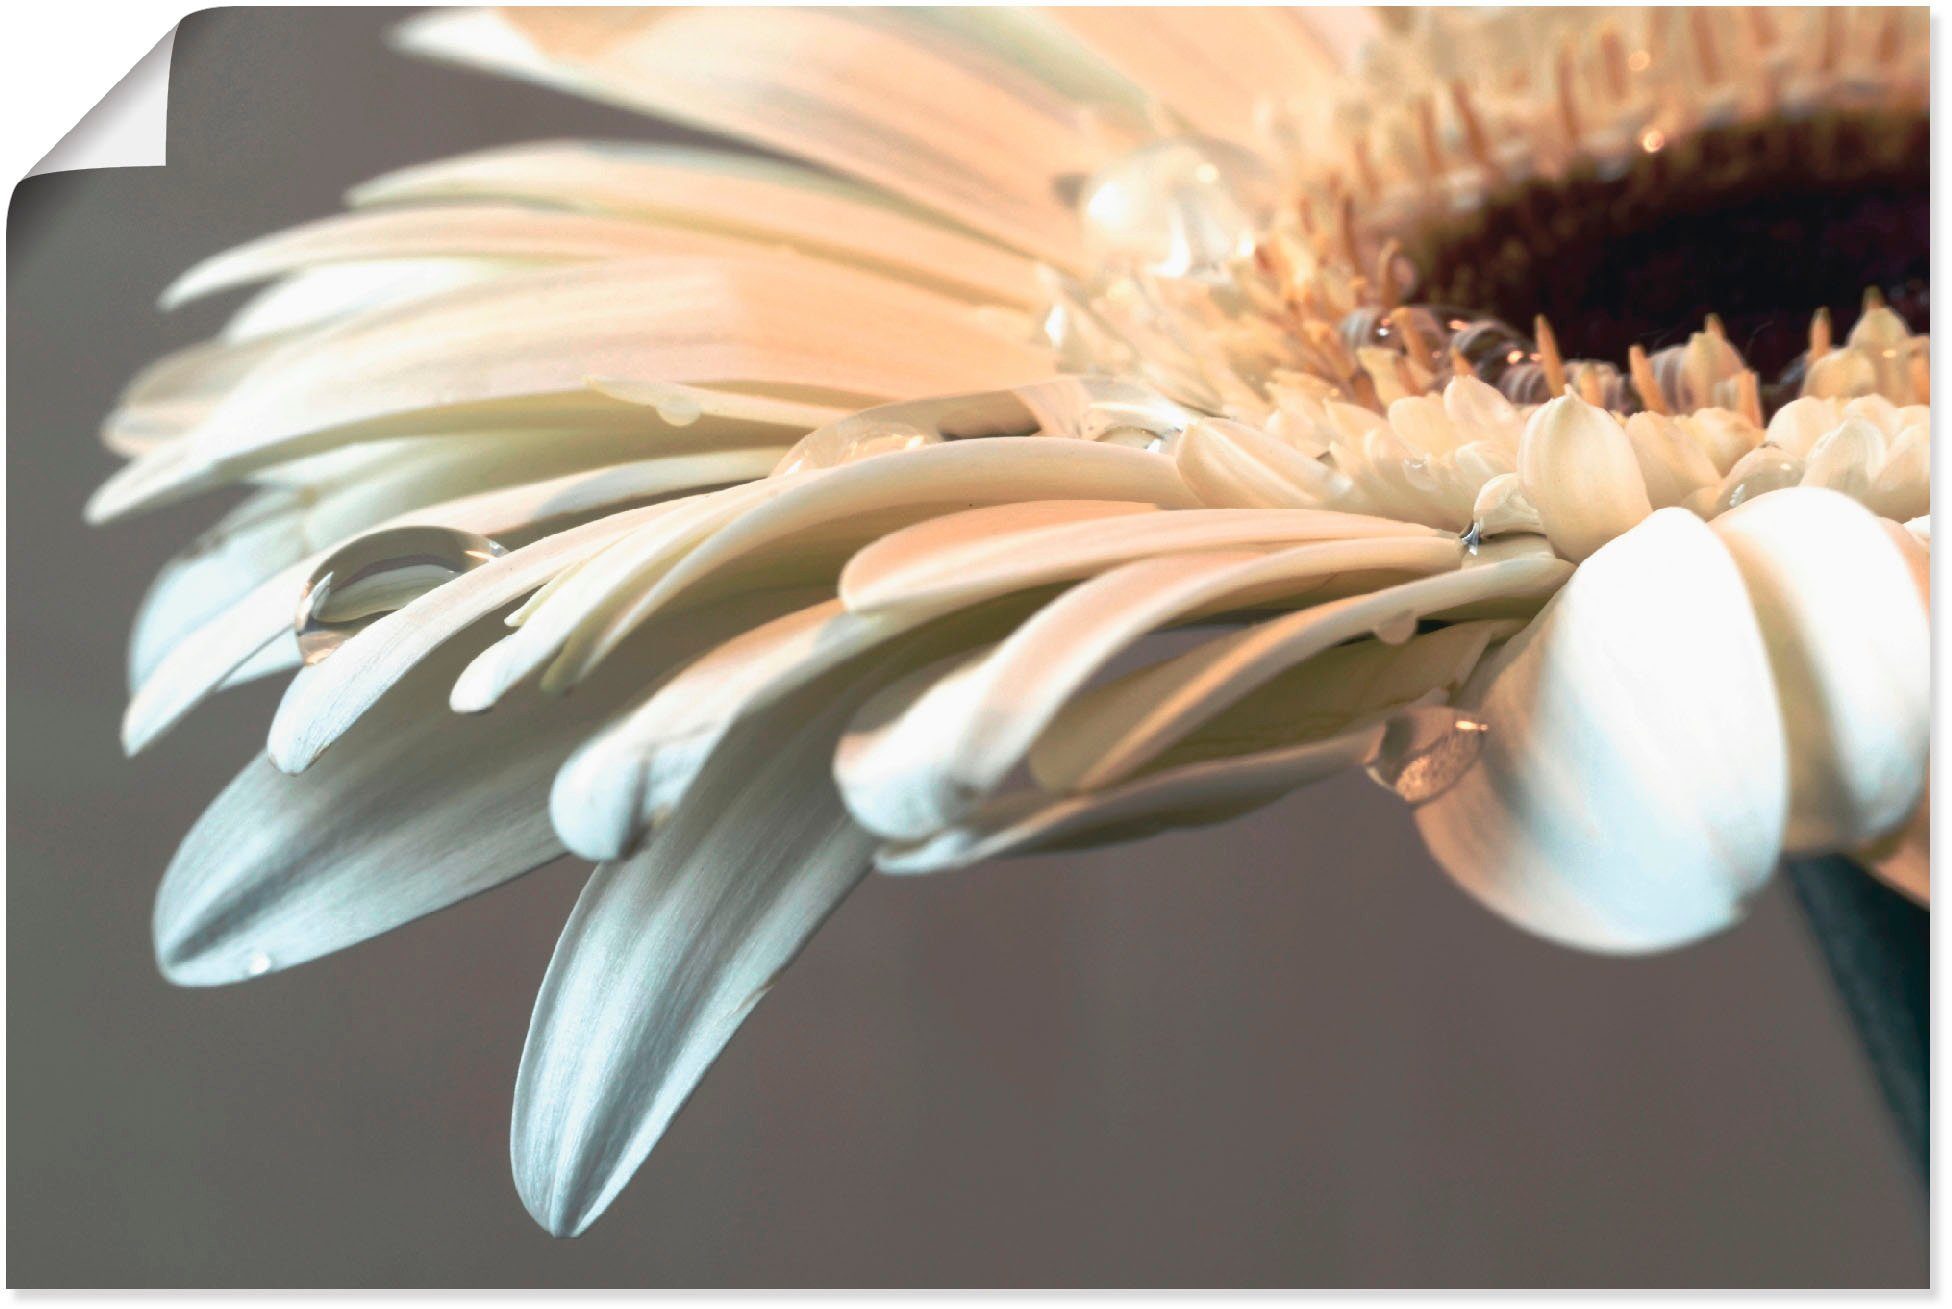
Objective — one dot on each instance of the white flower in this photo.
(847, 495)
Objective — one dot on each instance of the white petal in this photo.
(198, 663)
(920, 756)
(666, 954)
(1232, 465)
(415, 810)
(505, 232)
(1108, 734)
(964, 557)
(824, 515)
(1578, 467)
(1673, 466)
(1631, 787)
(1207, 792)
(766, 200)
(822, 85)
(1850, 644)
(326, 699)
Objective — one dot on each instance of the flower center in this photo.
(1760, 223)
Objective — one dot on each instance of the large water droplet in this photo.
(1425, 750)
(372, 575)
(860, 436)
(1396, 628)
(1762, 470)
(1186, 207)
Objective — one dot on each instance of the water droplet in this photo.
(1473, 538)
(1141, 425)
(1397, 628)
(860, 436)
(375, 574)
(679, 409)
(1425, 750)
(257, 964)
(1186, 207)
(1760, 471)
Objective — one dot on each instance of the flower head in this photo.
(1433, 381)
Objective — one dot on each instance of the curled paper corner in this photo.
(128, 127)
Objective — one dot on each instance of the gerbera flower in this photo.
(1115, 420)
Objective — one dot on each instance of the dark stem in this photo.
(1879, 948)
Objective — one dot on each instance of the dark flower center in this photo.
(1760, 223)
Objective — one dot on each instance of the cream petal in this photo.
(1108, 734)
(1799, 424)
(1580, 470)
(1480, 412)
(649, 551)
(1902, 488)
(489, 231)
(965, 557)
(756, 199)
(1846, 458)
(1630, 790)
(1850, 644)
(1672, 465)
(1195, 794)
(314, 298)
(200, 661)
(1231, 465)
(1501, 507)
(414, 811)
(1211, 65)
(326, 699)
(831, 512)
(517, 351)
(667, 953)
(636, 771)
(823, 85)
(921, 755)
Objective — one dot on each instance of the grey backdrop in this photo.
(1284, 1051)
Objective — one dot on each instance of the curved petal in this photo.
(1631, 786)
(665, 955)
(825, 85)
(1850, 644)
(1581, 472)
(757, 199)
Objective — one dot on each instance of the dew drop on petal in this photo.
(1424, 751)
(1762, 470)
(1184, 207)
(373, 575)
(851, 439)
(1396, 628)
(679, 409)
(257, 964)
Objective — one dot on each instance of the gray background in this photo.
(1283, 1051)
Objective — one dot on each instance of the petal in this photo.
(961, 558)
(414, 811)
(1850, 644)
(665, 955)
(1630, 788)
(478, 231)
(1109, 733)
(766, 200)
(325, 700)
(919, 756)
(1578, 467)
(200, 662)
(1208, 792)
(833, 88)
